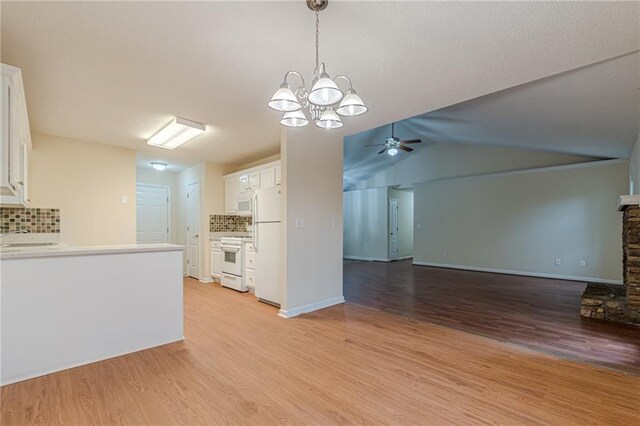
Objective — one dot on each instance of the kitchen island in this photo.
(68, 306)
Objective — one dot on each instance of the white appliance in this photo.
(267, 244)
(232, 263)
(244, 207)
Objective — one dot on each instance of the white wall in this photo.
(366, 224)
(86, 181)
(446, 160)
(169, 179)
(522, 222)
(312, 192)
(405, 221)
(634, 169)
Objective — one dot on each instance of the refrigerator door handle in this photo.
(254, 213)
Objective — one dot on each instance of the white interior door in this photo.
(393, 228)
(152, 206)
(193, 230)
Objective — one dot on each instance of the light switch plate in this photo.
(299, 223)
(124, 199)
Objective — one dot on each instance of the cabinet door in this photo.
(278, 174)
(231, 195)
(6, 154)
(216, 261)
(243, 186)
(268, 177)
(254, 181)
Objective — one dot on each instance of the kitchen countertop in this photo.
(216, 236)
(7, 253)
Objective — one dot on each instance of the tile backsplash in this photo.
(228, 223)
(27, 220)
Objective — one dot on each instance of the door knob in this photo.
(196, 236)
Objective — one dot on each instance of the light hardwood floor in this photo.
(241, 364)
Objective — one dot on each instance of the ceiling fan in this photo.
(393, 144)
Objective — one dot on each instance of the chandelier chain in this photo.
(317, 40)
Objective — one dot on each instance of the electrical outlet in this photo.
(445, 254)
(558, 261)
(583, 262)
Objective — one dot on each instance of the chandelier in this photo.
(325, 103)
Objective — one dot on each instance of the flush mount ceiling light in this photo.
(177, 132)
(324, 101)
(159, 166)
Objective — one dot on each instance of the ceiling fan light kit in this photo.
(392, 145)
(325, 101)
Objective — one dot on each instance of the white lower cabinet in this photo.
(249, 266)
(216, 260)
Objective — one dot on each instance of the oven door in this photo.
(232, 260)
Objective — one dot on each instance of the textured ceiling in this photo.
(115, 72)
(593, 111)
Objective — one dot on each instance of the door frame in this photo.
(393, 256)
(188, 258)
(168, 188)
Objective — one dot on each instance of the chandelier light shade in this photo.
(324, 101)
(351, 105)
(284, 99)
(294, 119)
(329, 120)
(325, 92)
(392, 151)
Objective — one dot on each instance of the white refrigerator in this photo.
(267, 244)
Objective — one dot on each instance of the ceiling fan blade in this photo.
(405, 148)
(412, 141)
(378, 144)
(383, 151)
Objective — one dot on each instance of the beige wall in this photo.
(86, 182)
(405, 221)
(312, 185)
(164, 178)
(256, 163)
(523, 222)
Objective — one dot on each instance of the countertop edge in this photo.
(91, 251)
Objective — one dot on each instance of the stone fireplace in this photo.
(617, 303)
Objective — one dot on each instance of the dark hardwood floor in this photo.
(541, 314)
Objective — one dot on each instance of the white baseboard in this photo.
(205, 280)
(294, 312)
(367, 259)
(523, 273)
(404, 257)
(78, 364)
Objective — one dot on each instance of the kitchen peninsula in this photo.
(62, 307)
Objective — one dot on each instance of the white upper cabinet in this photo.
(15, 139)
(231, 195)
(268, 177)
(240, 186)
(278, 173)
(254, 181)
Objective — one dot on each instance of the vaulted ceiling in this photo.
(591, 111)
(115, 72)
